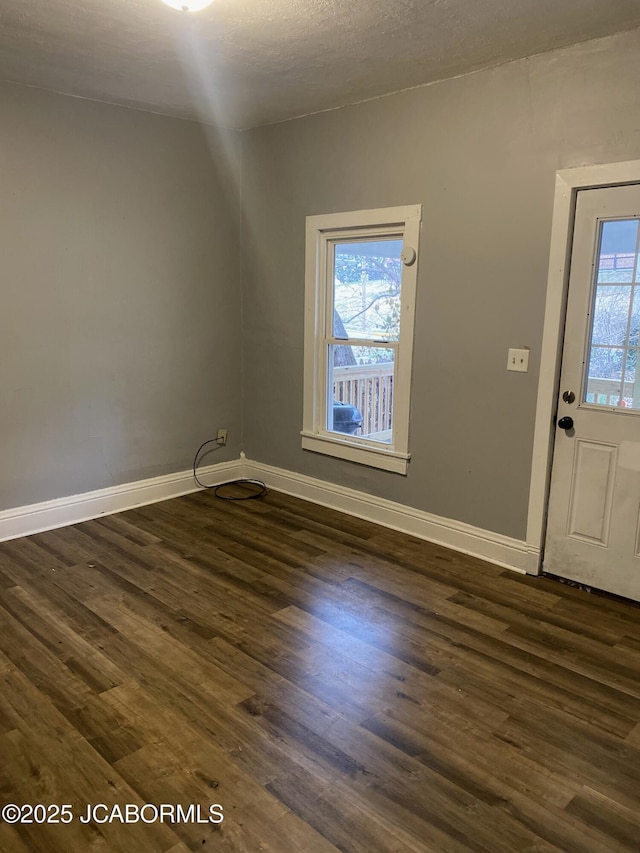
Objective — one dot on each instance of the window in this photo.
(361, 270)
(615, 318)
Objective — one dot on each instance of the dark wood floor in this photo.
(333, 685)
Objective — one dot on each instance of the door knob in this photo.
(566, 422)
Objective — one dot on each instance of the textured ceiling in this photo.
(242, 63)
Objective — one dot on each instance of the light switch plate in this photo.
(518, 360)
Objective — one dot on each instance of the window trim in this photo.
(321, 231)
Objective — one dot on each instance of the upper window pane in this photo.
(366, 290)
(618, 252)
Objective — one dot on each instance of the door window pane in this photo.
(634, 329)
(361, 383)
(366, 295)
(604, 383)
(618, 251)
(611, 315)
(615, 319)
(629, 393)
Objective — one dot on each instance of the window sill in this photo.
(353, 451)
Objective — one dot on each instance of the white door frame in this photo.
(568, 182)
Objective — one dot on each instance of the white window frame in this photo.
(322, 232)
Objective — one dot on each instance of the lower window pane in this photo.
(604, 380)
(631, 392)
(360, 398)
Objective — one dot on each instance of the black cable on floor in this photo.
(261, 488)
(259, 485)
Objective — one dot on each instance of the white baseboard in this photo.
(493, 547)
(25, 520)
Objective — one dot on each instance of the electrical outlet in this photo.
(518, 360)
(222, 437)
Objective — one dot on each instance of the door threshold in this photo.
(602, 593)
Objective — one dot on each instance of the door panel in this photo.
(593, 531)
(594, 471)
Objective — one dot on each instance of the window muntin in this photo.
(360, 302)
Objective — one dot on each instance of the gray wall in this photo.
(480, 153)
(121, 316)
(120, 295)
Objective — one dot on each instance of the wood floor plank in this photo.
(47, 624)
(530, 617)
(396, 778)
(181, 764)
(409, 682)
(613, 771)
(474, 758)
(333, 685)
(351, 824)
(47, 761)
(601, 813)
(579, 697)
(352, 562)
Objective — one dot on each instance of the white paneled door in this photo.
(593, 531)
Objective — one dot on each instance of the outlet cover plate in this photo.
(518, 360)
